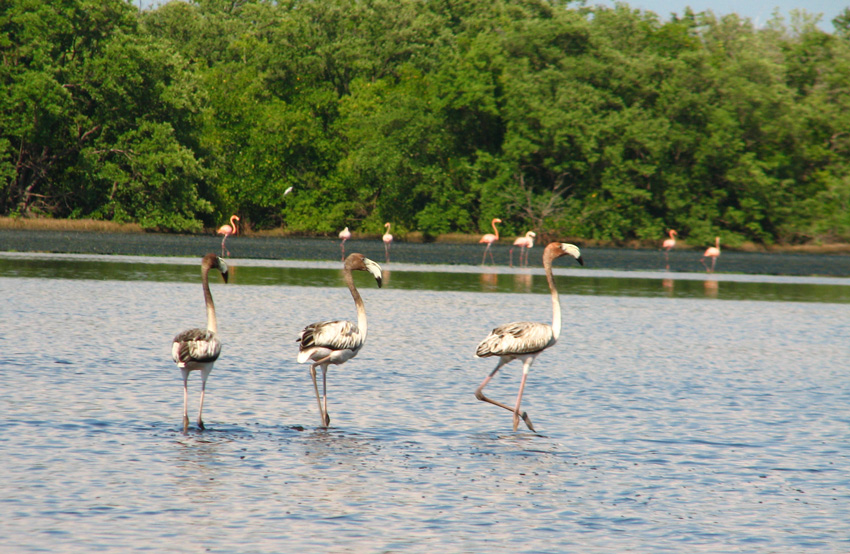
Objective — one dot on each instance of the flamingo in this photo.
(198, 349)
(227, 230)
(345, 234)
(490, 238)
(388, 240)
(524, 340)
(523, 242)
(712, 252)
(335, 342)
(668, 245)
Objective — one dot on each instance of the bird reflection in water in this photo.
(489, 282)
(711, 287)
(668, 285)
(522, 282)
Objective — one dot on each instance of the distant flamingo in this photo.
(668, 245)
(490, 238)
(388, 240)
(523, 242)
(198, 349)
(335, 342)
(524, 340)
(227, 230)
(712, 252)
(345, 234)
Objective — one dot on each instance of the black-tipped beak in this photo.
(224, 276)
(580, 260)
(380, 281)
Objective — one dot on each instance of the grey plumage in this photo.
(519, 337)
(195, 345)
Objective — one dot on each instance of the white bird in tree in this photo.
(524, 340)
(523, 242)
(335, 342)
(198, 349)
(388, 240)
(345, 234)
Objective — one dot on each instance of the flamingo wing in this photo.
(520, 337)
(195, 345)
(333, 335)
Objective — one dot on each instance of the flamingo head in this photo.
(211, 261)
(360, 262)
(558, 249)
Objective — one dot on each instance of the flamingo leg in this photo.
(511, 262)
(342, 248)
(525, 367)
(484, 257)
(387, 251)
(713, 261)
(204, 374)
(185, 399)
(321, 400)
(702, 261)
(327, 419)
(479, 394)
(223, 248)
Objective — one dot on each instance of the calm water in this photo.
(669, 421)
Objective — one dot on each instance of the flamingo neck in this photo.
(212, 324)
(556, 300)
(495, 230)
(358, 302)
(233, 223)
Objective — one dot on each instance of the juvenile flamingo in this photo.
(524, 340)
(388, 240)
(198, 349)
(490, 238)
(668, 245)
(227, 230)
(345, 234)
(712, 252)
(335, 342)
(523, 242)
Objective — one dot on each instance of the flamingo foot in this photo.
(201, 425)
(527, 421)
(185, 424)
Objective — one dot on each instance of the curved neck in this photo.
(212, 324)
(233, 223)
(556, 300)
(358, 302)
(495, 231)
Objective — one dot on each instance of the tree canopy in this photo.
(437, 115)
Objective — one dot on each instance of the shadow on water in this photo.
(498, 280)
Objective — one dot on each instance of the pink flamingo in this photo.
(227, 230)
(668, 245)
(523, 242)
(490, 238)
(388, 240)
(712, 252)
(345, 234)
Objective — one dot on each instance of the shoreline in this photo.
(108, 227)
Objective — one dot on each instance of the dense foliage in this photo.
(437, 115)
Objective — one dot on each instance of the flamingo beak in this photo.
(374, 269)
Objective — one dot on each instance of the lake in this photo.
(679, 412)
